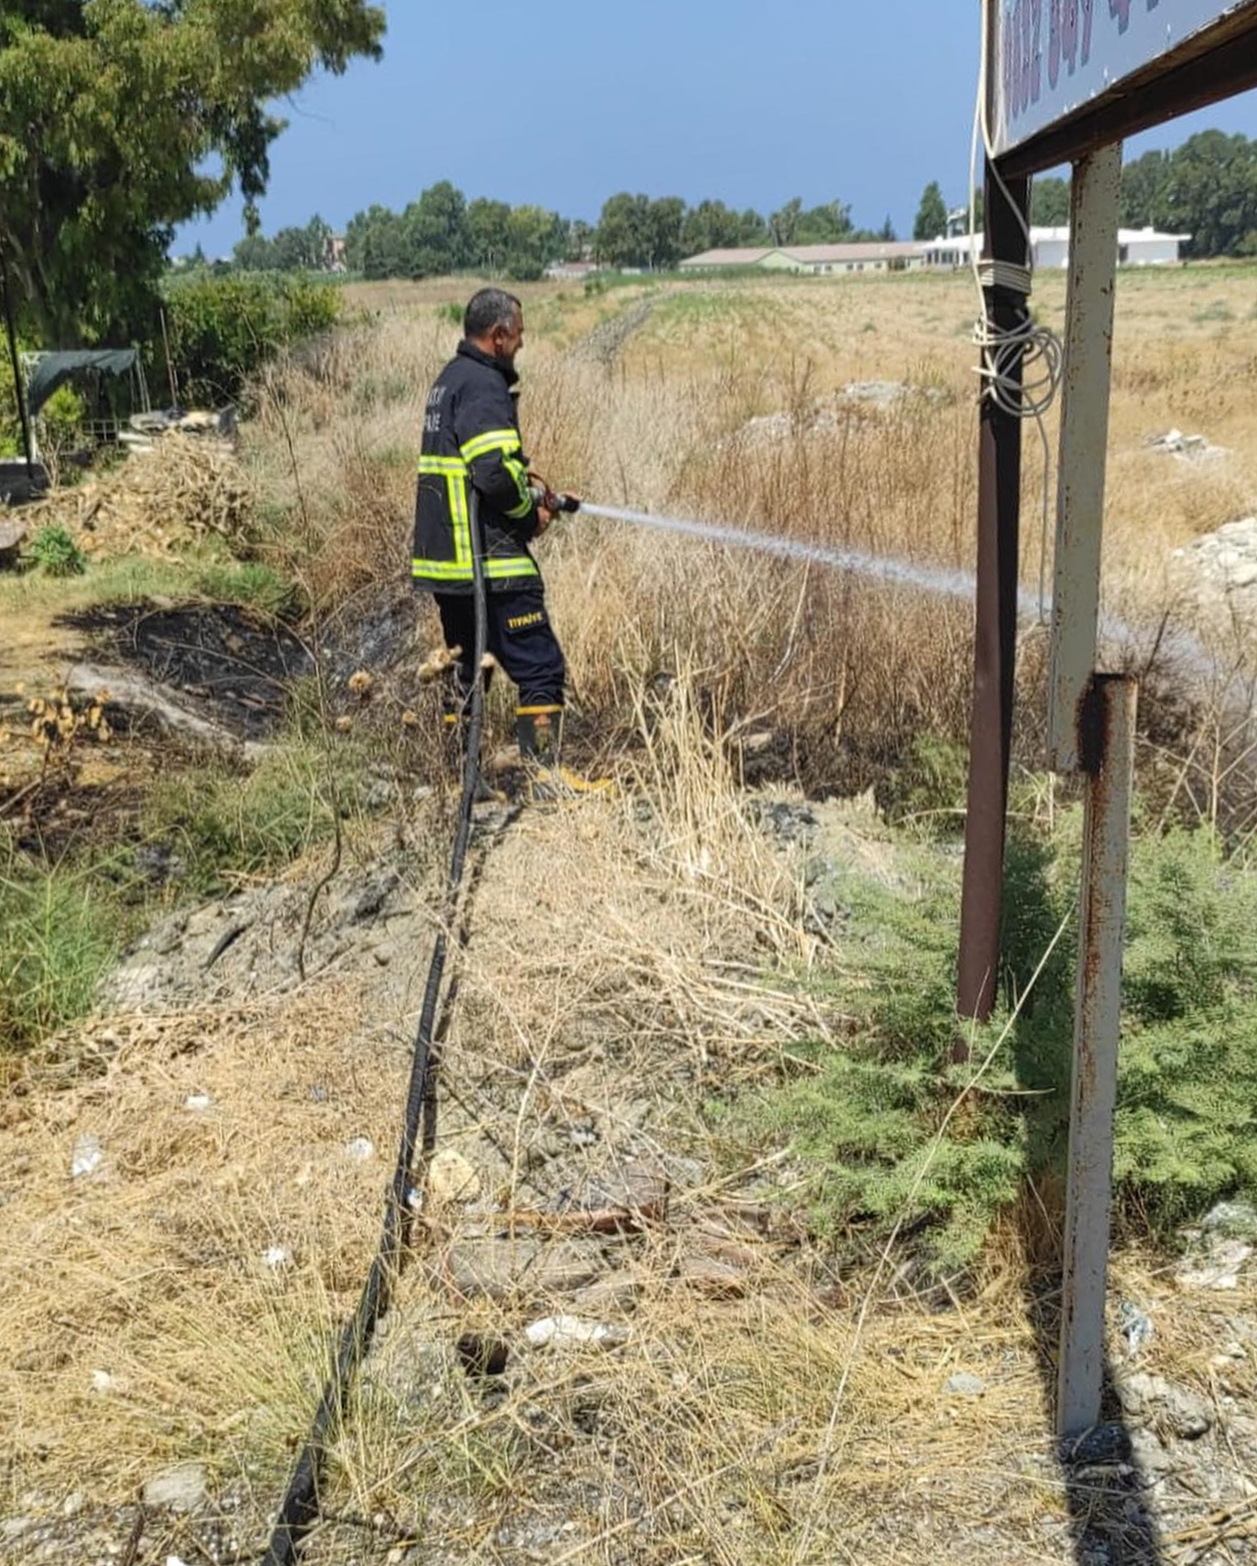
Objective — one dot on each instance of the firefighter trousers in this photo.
(520, 637)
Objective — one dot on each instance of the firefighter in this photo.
(471, 440)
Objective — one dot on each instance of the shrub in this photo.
(866, 1121)
(223, 329)
(56, 553)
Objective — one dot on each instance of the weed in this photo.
(58, 937)
(251, 584)
(56, 554)
(225, 826)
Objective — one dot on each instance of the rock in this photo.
(615, 1294)
(276, 1256)
(1235, 1220)
(179, 1489)
(1150, 1456)
(712, 1276)
(88, 1156)
(572, 1332)
(1219, 1268)
(198, 1102)
(497, 1268)
(451, 1178)
(965, 1384)
(384, 953)
(361, 1149)
(102, 1382)
(1165, 1404)
(373, 896)
(1242, 575)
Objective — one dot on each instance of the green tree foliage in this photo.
(120, 119)
(222, 329)
(489, 235)
(867, 1120)
(1211, 193)
(931, 219)
(634, 231)
(1049, 202)
(710, 226)
(436, 234)
(1145, 186)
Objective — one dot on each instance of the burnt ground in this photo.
(227, 665)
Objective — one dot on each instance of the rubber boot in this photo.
(539, 730)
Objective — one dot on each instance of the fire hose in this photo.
(300, 1508)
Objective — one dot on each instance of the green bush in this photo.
(56, 554)
(224, 329)
(865, 1120)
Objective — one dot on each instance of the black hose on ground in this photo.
(300, 1508)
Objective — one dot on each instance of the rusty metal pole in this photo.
(995, 636)
(1106, 738)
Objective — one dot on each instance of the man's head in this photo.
(494, 323)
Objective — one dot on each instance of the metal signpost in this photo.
(1066, 81)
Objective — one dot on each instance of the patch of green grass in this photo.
(249, 584)
(226, 826)
(872, 1119)
(59, 934)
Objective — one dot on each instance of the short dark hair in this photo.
(489, 308)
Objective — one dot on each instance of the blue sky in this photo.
(565, 102)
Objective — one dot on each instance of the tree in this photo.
(624, 230)
(887, 232)
(783, 225)
(1049, 202)
(711, 226)
(488, 234)
(120, 119)
(931, 219)
(1145, 190)
(826, 225)
(255, 254)
(1211, 192)
(665, 221)
(437, 238)
(534, 238)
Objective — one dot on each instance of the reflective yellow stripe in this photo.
(535, 712)
(442, 465)
(516, 470)
(491, 440)
(461, 520)
(441, 570)
(510, 565)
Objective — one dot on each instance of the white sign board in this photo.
(1050, 58)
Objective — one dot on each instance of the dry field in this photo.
(627, 960)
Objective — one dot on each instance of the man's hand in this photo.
(544, 518)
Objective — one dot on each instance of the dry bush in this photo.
(187, 488)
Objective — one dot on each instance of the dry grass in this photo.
(851, 672)
(629, 959)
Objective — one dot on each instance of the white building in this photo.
(819, 260)
(1050, 248)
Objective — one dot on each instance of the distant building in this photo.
(1050, 248)
(819, 260)
(334, 253)
(570, 271)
